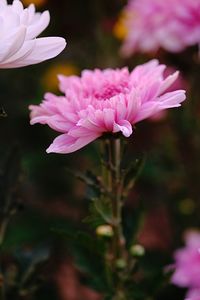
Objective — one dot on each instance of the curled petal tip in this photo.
(48, 150)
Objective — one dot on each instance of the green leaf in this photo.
(99, 213)
(131, 174)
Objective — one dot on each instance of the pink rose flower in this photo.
(187, 266)
(105, 101)
(150, 24)
(19, 28)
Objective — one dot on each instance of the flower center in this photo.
(110, 91)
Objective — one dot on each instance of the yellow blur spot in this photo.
(50, 80)
(36, 2)
(120, 31)
(187, 206)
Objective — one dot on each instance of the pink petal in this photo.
(123, 126)
(147, 110)
(168, 82)
(67, 144)
(172, 99)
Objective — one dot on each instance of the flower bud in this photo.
(121, 263)
(104, 230)
(137, 250)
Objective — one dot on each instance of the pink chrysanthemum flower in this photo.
(187, 266)
(151, 24)
(19, 28)
(105, 101)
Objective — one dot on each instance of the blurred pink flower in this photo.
(151, 24)
(104, 101)
(19, 28)
(69, 286)
(156, 230)
(193, 294)
(187, 266)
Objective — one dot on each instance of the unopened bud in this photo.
(104, 230)
(121, 263)
(137, 250)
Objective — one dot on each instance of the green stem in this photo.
(111, 174)
(117, 201)
(118, 238)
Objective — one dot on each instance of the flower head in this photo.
(151, 24)
(19, 28)
(103, 101)
(187, 266)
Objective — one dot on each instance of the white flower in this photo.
(19, 28)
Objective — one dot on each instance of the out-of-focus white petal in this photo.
(44, 48)
(3, 4)
(19, 28)
(17, 6)
(21, 55)
(35, 29)
(12, 43)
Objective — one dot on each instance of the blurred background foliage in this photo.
(43, 207)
